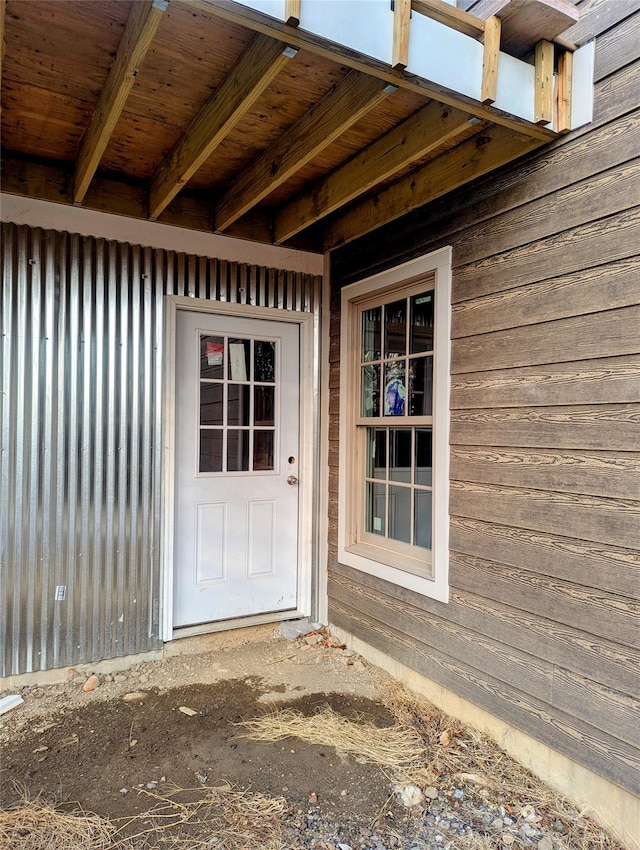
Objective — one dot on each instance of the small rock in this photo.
(120, 677)
(409, 795)
(458, 793)
(527, 812)
(558, 826)
(201, 777)
(545, 843)
(190, 712)
(342, 846)
(431, 793)
(507, 839)
(70, 674)
(91, 684)
(497, 823)
(151, 786)
(124, 791)
(312, 640)
(343, 793)
(134, 696)
(313, 798)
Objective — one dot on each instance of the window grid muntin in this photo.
(225, 381)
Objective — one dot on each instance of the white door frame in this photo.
(306, 322)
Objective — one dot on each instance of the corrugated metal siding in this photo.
(81, 411)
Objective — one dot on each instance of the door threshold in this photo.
(236, 623)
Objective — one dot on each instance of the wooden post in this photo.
(492, 30)
(543, 108)
(401, 18)
(565, 83)
(292, 12)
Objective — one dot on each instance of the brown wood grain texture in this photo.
(258, 66)
(593, 748)
(597, 16)
(581, 697)
(611, 333)
(578, 203)
(491, 53)
(604, 474)
(401, 23)
(596, 243)
(512, 666)
(610, 427)
(450, 16)
(292, 12)
(589, 610)
(446, 172)
(564, 93)
(613, 569)
(605, 708)
(618, 47)
(587, 655)
(543, 97)
(142, 24)
(419, 135)
(342, 107)
(342, 55)
(611, 380)
(593, 290)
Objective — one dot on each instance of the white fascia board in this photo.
(582, 85)
(52, 216)
(515, 92)
(365, 26)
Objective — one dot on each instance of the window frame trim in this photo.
(350, 464)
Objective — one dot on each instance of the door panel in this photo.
(237, 442)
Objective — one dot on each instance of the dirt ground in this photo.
(108, 752)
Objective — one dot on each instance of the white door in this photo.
(237, 436)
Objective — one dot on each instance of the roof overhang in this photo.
(299, 122)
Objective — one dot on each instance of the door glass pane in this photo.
(211, 404)
(210, 451)
(237, 404)
(239, 350)
(424, 460)
(375, 508)
(421, 330)
(377, 454)
(264, 361)
(263, 450)
(370, 403)
(211, 357)
(371, 334)
(422, 536)
(400, 454)
(264, 405)
(400, 513)
(237, 450)
(394, 388)
(395, 321)
(421, 386)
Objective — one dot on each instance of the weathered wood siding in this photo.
(542, 628)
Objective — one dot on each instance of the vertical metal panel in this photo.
(80, 415)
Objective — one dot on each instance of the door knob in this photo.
(292, 480)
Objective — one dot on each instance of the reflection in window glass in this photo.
(423, 459)
(375, 508)
(239, 352)
(237, 450)
(377, 455)
(263, 450)
(211, 357)
(211, 410)
(210, 451)
(395, 322)
(237, 405)
(264, 406)
(370, 391)
(400, 454)
(371, 334)
(400, 513)
(422, 535)
(421, 331)
(264, 361)
(421, 386)
(394, 388)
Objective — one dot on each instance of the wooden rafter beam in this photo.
(491, 55)
(342, 107)
(141, 27)
(415, 138)
(292, 12)
(260, 63)
(543, 109)
(469, 160)
(258, 22)
(401, 22)
(450, 16)
(564, 90)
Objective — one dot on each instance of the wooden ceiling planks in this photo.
(59, 58)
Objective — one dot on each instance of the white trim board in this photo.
(51, 216)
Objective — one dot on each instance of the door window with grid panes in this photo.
(393, 510)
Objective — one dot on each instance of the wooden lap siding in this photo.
(542, 628)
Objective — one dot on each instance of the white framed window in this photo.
(394, 425)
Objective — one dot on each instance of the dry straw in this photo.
(36, 825)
